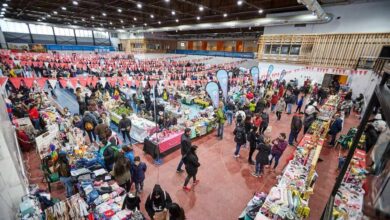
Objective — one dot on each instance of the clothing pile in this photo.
(73, 208)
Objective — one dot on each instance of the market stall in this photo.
(141, 128)
(162, 143)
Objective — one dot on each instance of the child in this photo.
(280, 106)
(138, 170)
(262, 157)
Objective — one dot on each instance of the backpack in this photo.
(88, 126)
(240, 134)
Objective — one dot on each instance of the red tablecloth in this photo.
(170, 142)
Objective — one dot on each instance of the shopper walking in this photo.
(239, 138)
(121, 172)
(280, 106)
(230, 111)
(335, 128)
(221, 121)
(138, 170)
(290, 101)
(125, 127)
(262, 157)
(274, 101)
(279, 145)
(34, 116)
(300, 104)
(265, 122)
(191, 162)
(64, 173)
(255, 139)
(185, 147)
(89, 124)
(296, 126)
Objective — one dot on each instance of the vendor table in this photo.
(164, 147)
(141, 128)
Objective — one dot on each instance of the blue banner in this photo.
(223, 79)
(213, 91)
(282, 74)
(248, 55)
(255, 74)
(269, 72)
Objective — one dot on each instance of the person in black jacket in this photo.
(125, 127)
(307, 121)
(264, 123)
(191, 162)
(176, 212)
(108, 154)
(157, 201)
(131, 202)
(185, 147)
(239, 138)
(296, 126)
(253, 139)
(262, 157)
(371, 136)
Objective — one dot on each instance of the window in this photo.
(9, 26)
(41, 29)
(275, 49)
(295, 49)
(100, 34)
(83, 33)
(285, 49)
(267, 49)
(63, 31)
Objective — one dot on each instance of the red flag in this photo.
(73, 82)
(28, 82)
(83, 81)
(15, 81)
(93, 80)
(41, 82)
(3, 80)
(63, 83)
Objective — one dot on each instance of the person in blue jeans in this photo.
(221, 121)
(138, 170)
(229, 112)
(239, 138)
(64, 173)
(335, 128)
(279, 145)
(264, 149)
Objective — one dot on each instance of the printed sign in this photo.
(213, 91)
(255, 74)
(223, 79)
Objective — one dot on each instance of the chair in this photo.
(49, 176)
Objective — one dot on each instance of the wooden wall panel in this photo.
(220, 46)
(190, 45)
(331, 50)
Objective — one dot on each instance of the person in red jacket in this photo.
(281, 90)
(274, 100)
(34, 116)
(250, 95)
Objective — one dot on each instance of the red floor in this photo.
(226, 183)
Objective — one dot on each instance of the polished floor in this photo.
(226, 183)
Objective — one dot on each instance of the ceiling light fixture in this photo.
(177, 20)
(152, 16)
(110, 22)
(145, 24)
(39, 20)
(133, 26)
(224, 15)
(173, 12)
(121, 21)
(198, 18)
(239, 2)
(3, 12)
(159, 22)
(139, 5)
(93, 17)
(83, 19)
(5, 5)
(166, 0)
(63, 8)
(3, 9)
(48, 16)
(123, 27)
(101, 24)
(104, 14)
(55, 12)
(201, 8)
(43, 18)
(135, 18)
(119, 10)
(75, 3)
(75, 21)
(261, 11)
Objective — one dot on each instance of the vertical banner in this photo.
(213, 91)
(223, 79)
(282, 74)
(269, 72)
(255, 74)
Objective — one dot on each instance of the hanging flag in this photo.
(83, 81)
(213, 91)
(282, 74)
(53, 83)
(73, 82)
(28, 82)
(3, 80)
(15, 81)
(269, 72)
(41, 82)
(255, 74)
(63, 82)
(222, 76)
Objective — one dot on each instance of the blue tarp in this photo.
(249, 55)
(80, 47)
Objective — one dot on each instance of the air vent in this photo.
(299, 25)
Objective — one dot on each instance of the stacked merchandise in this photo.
(72, 208)
(29, 208)
(289, 199)
(253, 206)
(117, 111)
(349, 198)
(141, 128)
(162, 142)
